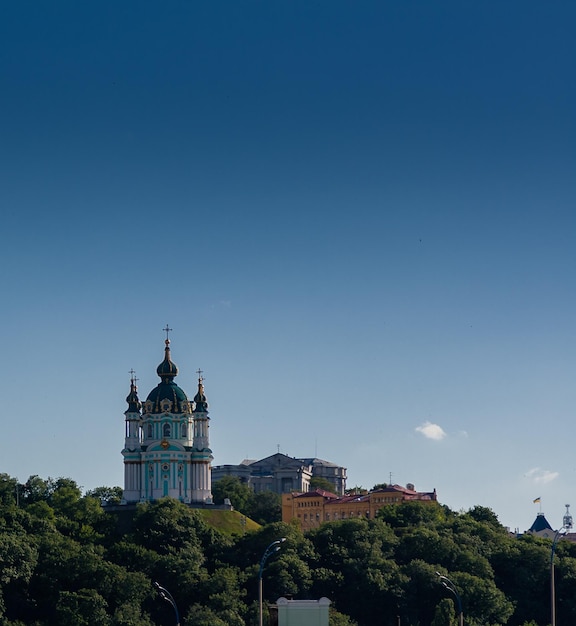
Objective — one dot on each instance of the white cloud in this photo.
(431, 431)
(541, 477)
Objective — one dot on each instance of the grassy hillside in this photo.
(228, 522)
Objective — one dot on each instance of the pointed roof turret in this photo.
(540, 524)
(200, 398)
(134, 404)
(167, 370)
(167, 389)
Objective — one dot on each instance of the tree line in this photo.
(66, 561)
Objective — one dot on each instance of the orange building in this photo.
(315, 507)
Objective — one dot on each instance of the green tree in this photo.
(264, 507)
(130, 614)
(354, 560)
(444, 614)
(339, 619)
(8, 490)
(17, 558)
(106, 495)
(318, 482)
(522, 569)
(409, 514)
(84, 607)
(483, 602)
(35, 489)
(199, 615)
(64, 494)
(421, 591)
(225, 590)
(485, 515)
(235, 490)
(167, 526)
(565, 576)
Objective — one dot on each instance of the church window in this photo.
(183, 431)
(150, 431)
(166, 430)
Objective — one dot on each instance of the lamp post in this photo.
(166, 595)
(452, 589)
(567, 525)
(273, 547)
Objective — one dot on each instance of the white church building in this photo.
(167, 446)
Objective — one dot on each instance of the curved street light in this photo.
(452, 589)
(166, 595)
(273, 547)
(567, 525)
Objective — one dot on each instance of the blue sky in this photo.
(358, 218)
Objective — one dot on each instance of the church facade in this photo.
(167, 446)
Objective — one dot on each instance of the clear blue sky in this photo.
(358, 218)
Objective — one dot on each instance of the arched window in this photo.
(150, 432)
(183, 431)
(166, 430)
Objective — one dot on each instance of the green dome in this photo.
(167, 391)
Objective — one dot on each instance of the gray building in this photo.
(282, 474)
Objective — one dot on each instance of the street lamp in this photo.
(452, 589)
(567, 525)
(273, 547)
(166, 595)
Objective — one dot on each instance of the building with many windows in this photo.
(313, 508)
(167, 447)
(283, 474)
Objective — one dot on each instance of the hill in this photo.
(228, 522)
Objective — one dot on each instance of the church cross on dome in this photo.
(167, 330)
(200, 377)
(133, 378)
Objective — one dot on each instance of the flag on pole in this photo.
(537, 500)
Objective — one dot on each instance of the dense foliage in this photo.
(263, 507)
(65, 561)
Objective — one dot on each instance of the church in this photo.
(167, 446)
